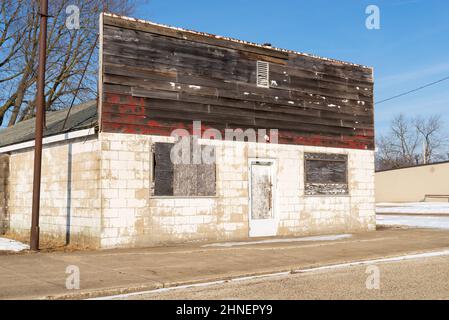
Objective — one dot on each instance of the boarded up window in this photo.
(163, 170)
(181, 179)
(326, 174)
(205, 180)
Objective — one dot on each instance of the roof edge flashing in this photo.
(50, 139)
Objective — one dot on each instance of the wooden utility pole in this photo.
(40, 113)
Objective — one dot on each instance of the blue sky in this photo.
(410, 49)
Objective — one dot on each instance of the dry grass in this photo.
(49, 243)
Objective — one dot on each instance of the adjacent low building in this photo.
(273, 143)
(427, 182)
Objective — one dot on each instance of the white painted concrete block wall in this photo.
(125, 185)
(70, 194)
(131, 217)
(107, 194)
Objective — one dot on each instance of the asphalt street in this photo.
(426, 278)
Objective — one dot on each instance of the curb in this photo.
(413, 214)
(123, 292)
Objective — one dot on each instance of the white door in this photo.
(262, 221)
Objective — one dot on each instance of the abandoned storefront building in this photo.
(290, 137)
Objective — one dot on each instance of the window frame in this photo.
(343, 185)
(153, 178)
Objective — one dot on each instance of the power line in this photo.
(414, 90)
(80, 81)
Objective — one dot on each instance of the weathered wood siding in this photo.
(156, 79)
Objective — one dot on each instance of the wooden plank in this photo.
(332, 67)
(315, 189)
(185, 180)
(299, 71)
(227, 89)
(194, 37)
(182, 47)
(240, 116)
(315, 85)
(194, 179)
(206, 180)
(208, 69)
(155, 82)
(250, 117)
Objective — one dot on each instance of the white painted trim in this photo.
(51, 139)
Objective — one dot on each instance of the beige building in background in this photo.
(413, 184)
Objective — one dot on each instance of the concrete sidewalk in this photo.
(42, 275)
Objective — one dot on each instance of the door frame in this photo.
(275, 219)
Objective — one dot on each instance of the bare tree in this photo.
(71, 53)
(432, 136)
(399, 147)
(411, 142)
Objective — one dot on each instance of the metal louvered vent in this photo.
(263, 70)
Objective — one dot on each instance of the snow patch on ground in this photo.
(414, 221)
(413, 207)
(314, 238)
(11, 245)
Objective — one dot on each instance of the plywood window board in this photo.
(326, 174)
(181, 180)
